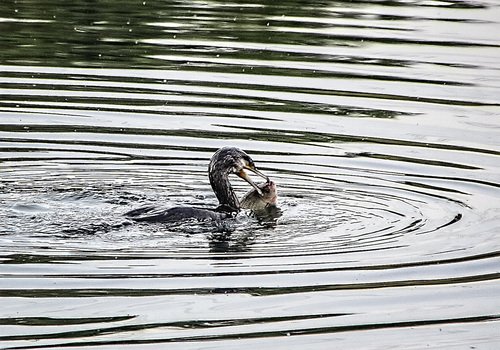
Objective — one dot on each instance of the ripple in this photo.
(347, 212)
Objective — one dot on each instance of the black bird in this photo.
(224, 162)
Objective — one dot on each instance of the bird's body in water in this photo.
(226, 161)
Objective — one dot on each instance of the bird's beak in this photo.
(243, 174)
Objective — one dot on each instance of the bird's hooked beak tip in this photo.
(243, 174)
(258, 172)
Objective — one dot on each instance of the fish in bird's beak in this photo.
(243, 174)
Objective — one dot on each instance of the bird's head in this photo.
(232, 160)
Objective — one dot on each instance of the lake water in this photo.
(378, 120)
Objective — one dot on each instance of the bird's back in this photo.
(155, 214)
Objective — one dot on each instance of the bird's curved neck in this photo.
(224, 191)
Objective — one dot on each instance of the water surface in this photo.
(378, 120)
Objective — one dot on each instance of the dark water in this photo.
(378, 120)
